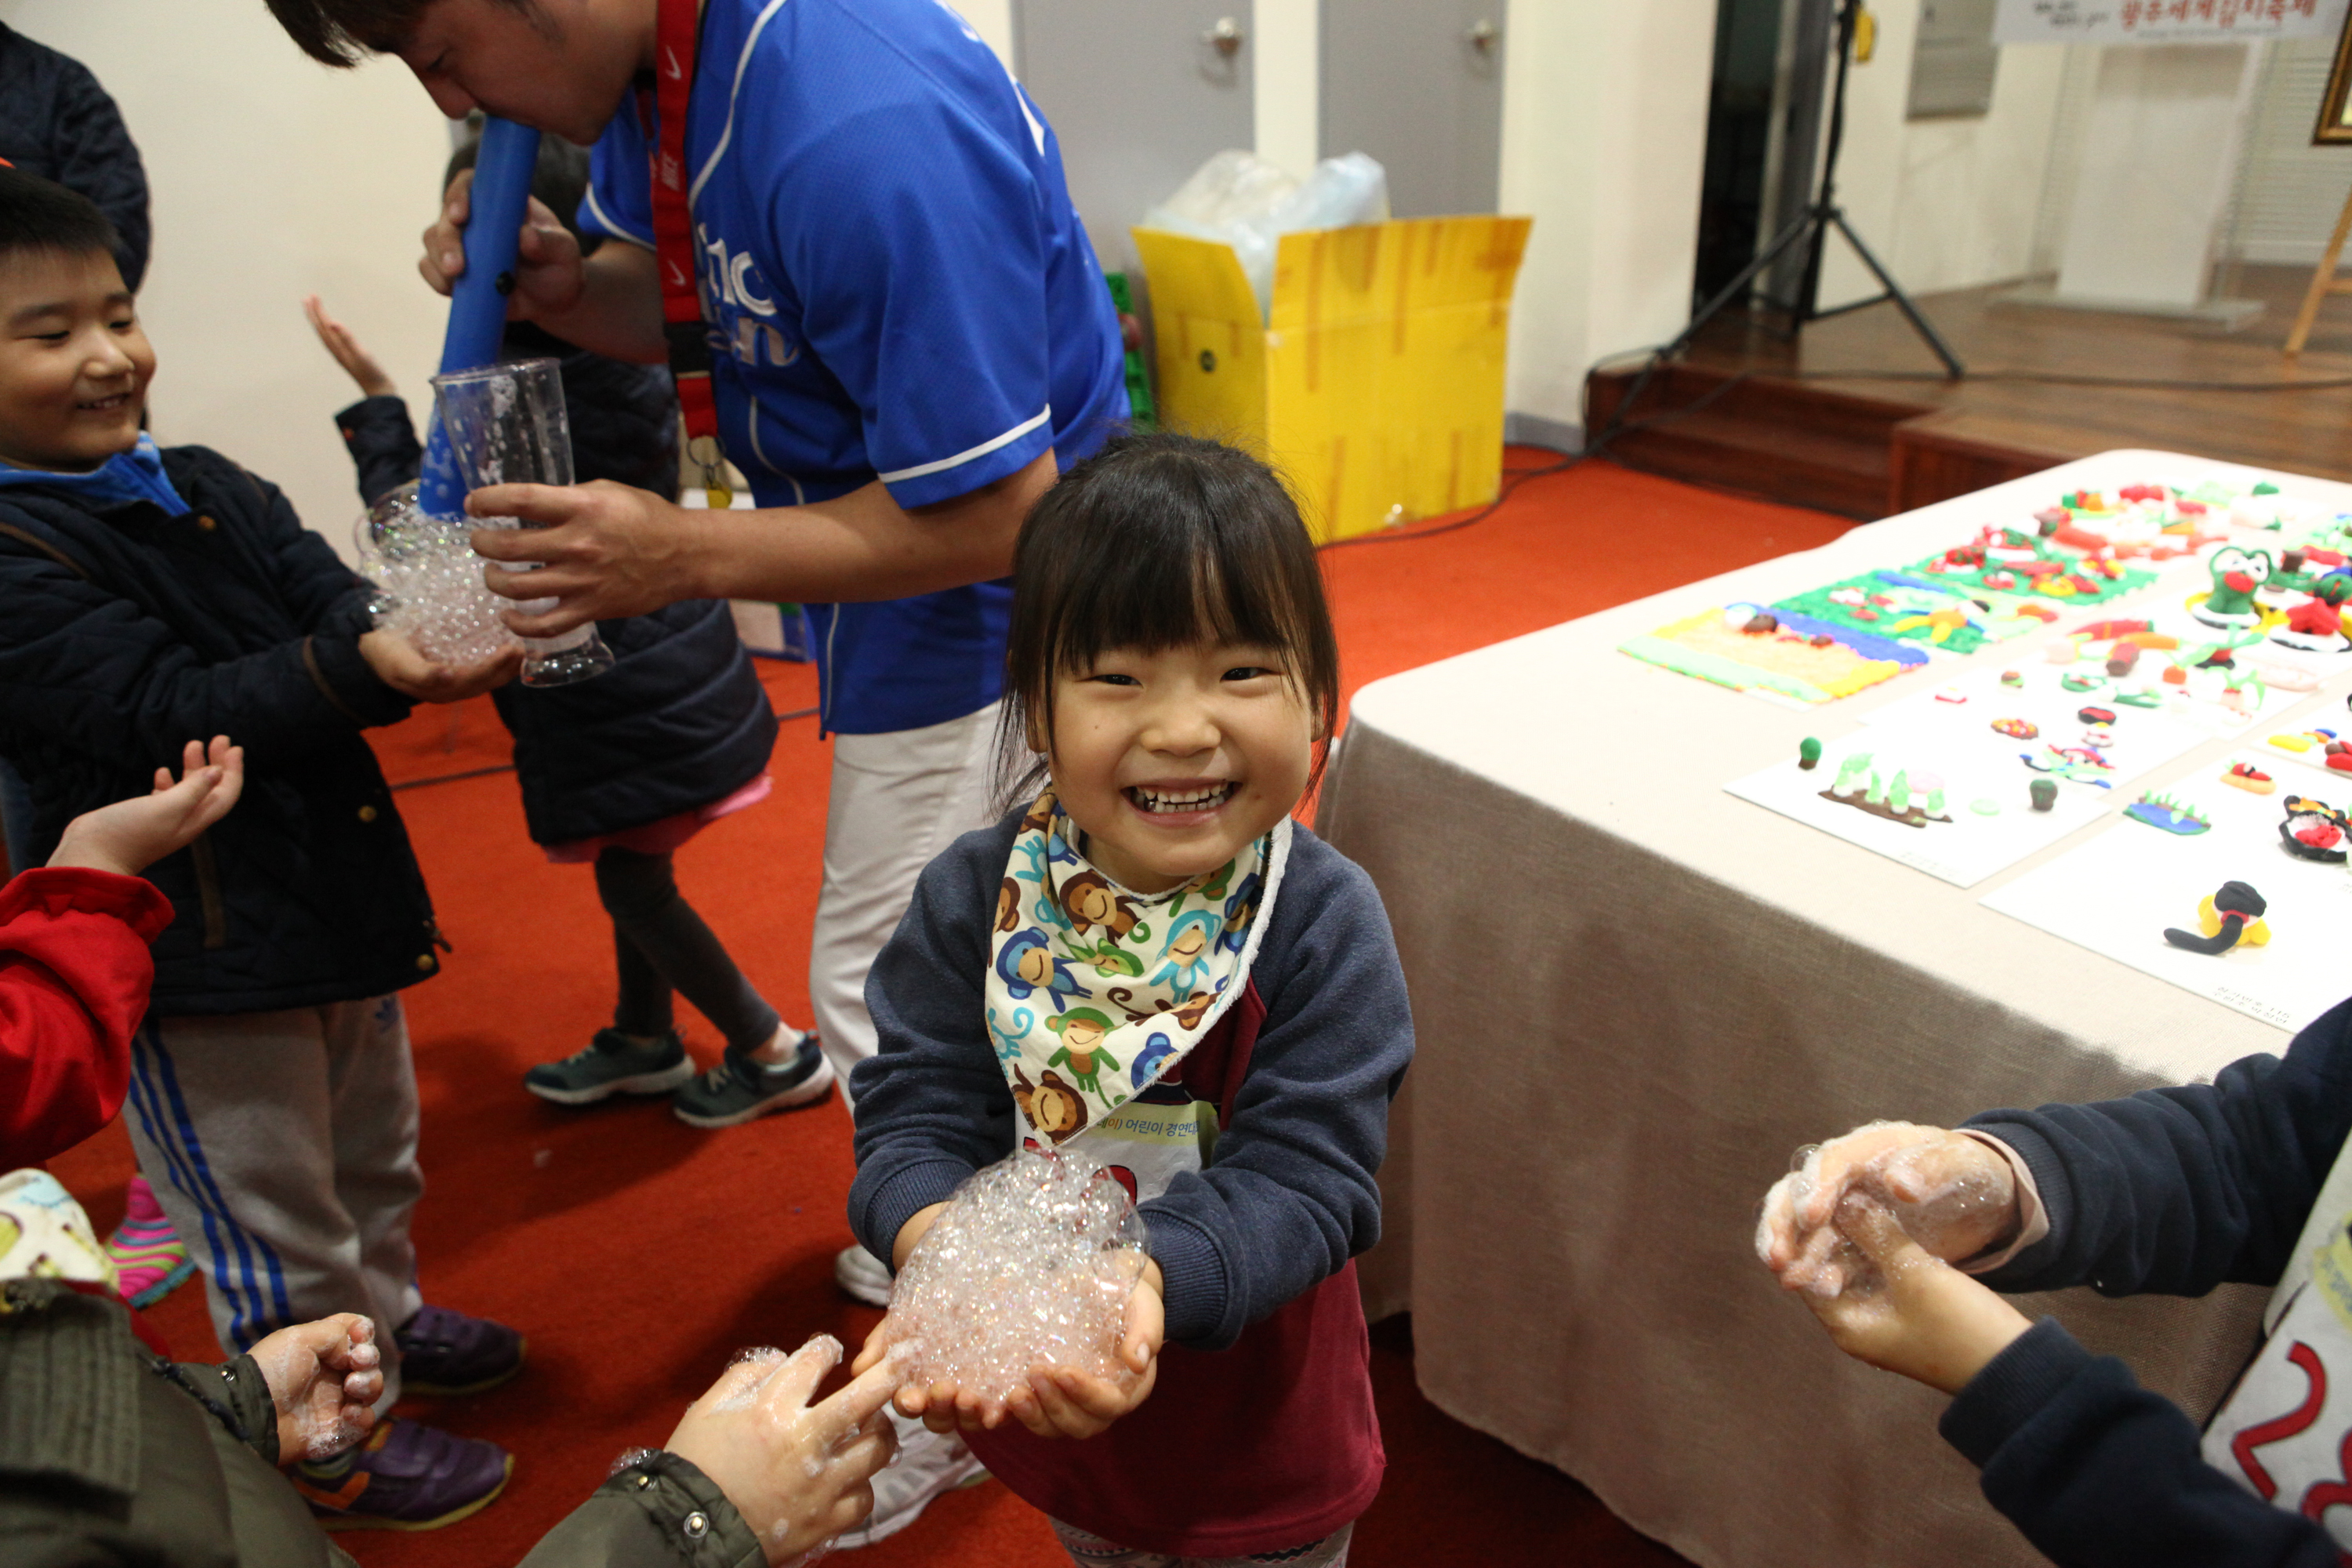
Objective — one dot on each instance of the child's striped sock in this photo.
(149, 1260)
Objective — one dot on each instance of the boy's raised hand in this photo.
(357, 363)
(324, 1380)
(1927, 1321)
(549, 272)
(398, 665)
(131, 834)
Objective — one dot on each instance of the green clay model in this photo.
(1850, 773)
(1809, 754)
(2237, 575)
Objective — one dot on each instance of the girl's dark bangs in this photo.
(1178, 581)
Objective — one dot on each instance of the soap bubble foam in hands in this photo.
(1027, 1268)
(429, 586)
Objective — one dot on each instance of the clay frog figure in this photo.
(2238, 575)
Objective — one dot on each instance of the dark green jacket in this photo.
(110, 1457)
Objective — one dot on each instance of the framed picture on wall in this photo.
(2335, 112)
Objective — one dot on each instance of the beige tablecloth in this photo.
(1636, 994)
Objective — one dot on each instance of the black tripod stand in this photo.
(1811, 227)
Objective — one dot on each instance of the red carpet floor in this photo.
(639, 1255)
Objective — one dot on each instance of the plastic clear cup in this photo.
(506, 426)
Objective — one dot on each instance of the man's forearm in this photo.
(864, 545)
(619, 311)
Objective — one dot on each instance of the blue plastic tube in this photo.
(477, 306)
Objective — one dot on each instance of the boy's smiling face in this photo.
(74, 362)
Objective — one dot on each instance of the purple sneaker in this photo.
(447, 1354)
(404, 1476)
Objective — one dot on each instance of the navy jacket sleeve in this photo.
(80, 659)
(2099, 1472)
(383, 444)
(1290, 1195)
(95, 155)
(2176, 1190)
(932, 1105)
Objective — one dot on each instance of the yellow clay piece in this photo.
(2209, 920)
(2292, 742)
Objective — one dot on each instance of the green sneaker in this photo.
(612, 1064)
(740, 1089)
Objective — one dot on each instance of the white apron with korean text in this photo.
(2285, 1431)
(1095, 995)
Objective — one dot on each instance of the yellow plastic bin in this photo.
(1376, 383)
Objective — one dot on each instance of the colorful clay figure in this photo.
(2229, 916)
(2076, 764)
(1744, 647)
(2043, 793)
(1897, 799)
(2238, 575)
(1809, 754)
(2247, 777)
(2017, 729)
(2172, 816)
(2314, 830)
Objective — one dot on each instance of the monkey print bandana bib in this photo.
(1092, 992)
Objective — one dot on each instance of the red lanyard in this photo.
(677, 37)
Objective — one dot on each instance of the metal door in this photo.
(1139, 93)
(1419, 85)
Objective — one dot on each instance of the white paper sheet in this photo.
(2117, 894)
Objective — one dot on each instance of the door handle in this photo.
(1225, 37)
(1481, 35)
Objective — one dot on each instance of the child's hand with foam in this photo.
(1064, 1402)
(1952, 1193)
(1922, 1317)
(324, 1379)
(800, 1474)
(1029, 1294)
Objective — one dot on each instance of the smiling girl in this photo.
(1173, 671)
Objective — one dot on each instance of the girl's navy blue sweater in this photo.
(1290, 1195)
(2173, 1191)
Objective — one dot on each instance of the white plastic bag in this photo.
(1244, 201)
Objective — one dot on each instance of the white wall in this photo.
(993, 20)
(1604, 131)
(271, 177)
(1288, 83)
(1945, 204)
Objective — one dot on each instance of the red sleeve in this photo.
(74, 976)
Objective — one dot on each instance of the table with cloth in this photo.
(1635, 994)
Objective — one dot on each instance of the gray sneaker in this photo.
(612, 1064)
(740, 1089)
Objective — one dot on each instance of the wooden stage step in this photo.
(1859, 456)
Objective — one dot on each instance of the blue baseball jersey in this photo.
(897, 288)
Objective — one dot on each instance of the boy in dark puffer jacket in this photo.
(622, 770)
(146, 596)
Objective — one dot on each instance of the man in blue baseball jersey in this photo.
(909, 336)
